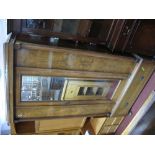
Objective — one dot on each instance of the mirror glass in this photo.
(39, 88)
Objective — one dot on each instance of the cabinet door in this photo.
(143, 39)
(49, 96)
(120, 34)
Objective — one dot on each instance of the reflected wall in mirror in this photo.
(39, 88)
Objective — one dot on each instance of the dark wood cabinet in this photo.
(133, 36)
(142, 40)
(120, 34)
(115, 35)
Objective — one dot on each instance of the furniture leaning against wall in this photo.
(55, 89)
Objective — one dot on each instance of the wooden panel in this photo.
(105, 29)
(107, 130)
(69, 73)
(97, 123)
(113, 129)
(62, 132)
(120, 33)
(118, 120)
(25, 127)
(87, 90)
(115, 33)
(105, 125)
(30, 55)
(109, 121)
(96, 28)
(113, 121)
(59, 124)
(104, 130)
(70, 26)
(144, 72)
(127, 29)
(62, 111)
(143, 39)
(14, 26)
(9, 63)
(57, 25)
(84, 27)
(119, 89)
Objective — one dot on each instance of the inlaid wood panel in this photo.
(31, 55)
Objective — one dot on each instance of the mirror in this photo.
(44, 88)
(39, 88)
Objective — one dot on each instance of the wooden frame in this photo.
(136, 82)
(44, 112)
(9, 69)
(46, 57)
(54, 72)
(63, 108)
(73, 88)
(79, 74)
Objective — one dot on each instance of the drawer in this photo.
(59, 124)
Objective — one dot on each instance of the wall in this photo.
(3, 36)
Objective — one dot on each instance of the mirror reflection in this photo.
(42, 88)
(38, 88)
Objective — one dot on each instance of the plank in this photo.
(62, 111)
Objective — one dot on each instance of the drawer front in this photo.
(59, 124)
